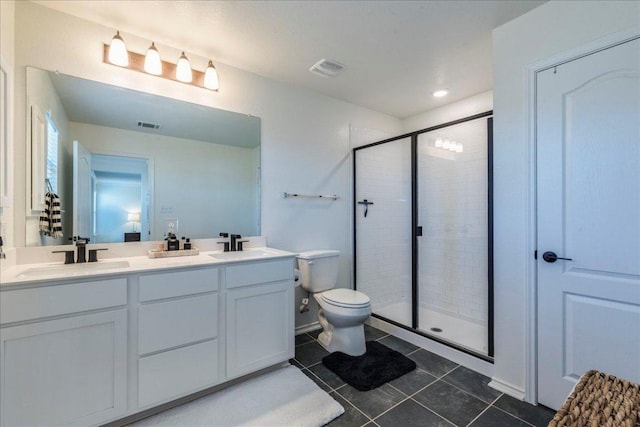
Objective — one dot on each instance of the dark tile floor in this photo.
(437, 393)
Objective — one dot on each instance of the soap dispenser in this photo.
(173, 244)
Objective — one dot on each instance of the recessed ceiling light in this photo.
(440, 93)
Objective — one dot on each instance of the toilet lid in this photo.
(345, 298)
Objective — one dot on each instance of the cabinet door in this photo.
(70, 371)
(260, 328)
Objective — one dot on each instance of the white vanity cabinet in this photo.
(90, 351)
(260, 315)
(63, 354)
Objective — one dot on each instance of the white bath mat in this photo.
(285, 397)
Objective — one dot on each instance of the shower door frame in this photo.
(416, 231)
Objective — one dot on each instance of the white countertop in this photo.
(27, 274)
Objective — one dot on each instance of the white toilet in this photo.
(342, 311)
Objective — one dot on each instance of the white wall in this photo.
(7, 42)
(220, 179)
(305, 136)
(475, 104)
(115, 197)
(43, 95)
(546, 31)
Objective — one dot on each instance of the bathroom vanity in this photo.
(86, 346)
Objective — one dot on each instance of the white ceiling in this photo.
(396, 52)
(100, 104)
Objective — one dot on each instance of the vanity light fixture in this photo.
(152, 62)
(183, 70)
(440, 93)
(116, 54)
(211, 77)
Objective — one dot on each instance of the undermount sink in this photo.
(73, 269)
(242, 255)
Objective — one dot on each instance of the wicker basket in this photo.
(600, 400)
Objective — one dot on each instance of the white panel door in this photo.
(588, 166)
(260, 328)
(82, 190)
(70, 371)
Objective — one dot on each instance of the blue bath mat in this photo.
(378, 365)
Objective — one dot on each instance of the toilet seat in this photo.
(346, 298)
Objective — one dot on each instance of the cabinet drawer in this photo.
(26, 304)
(175, 373)
(169, 324)
(178, 283)
(260, 272)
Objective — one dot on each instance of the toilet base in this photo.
(349, 340)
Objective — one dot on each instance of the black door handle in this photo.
(550, 256)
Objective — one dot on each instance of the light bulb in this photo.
(152, 62)
(453, 146)
(439, 143)
(183, 70)
(459, 148)
(118, 54)
(446, 144)
(211, 77)
(440, 93)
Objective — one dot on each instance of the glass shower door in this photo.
(383, 228)
(453, 251)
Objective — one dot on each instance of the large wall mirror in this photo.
(127, 163)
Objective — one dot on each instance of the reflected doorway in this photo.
(120, 198)
(112, 197)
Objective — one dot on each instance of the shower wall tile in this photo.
(383, 264)
(452, 191)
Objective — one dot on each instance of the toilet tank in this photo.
(318, 269)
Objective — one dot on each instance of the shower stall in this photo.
(423, 232)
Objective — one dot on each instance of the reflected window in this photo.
(52, 153)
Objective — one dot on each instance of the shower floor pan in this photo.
(455, 330)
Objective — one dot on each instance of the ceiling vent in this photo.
(148, 125)
(327, 68)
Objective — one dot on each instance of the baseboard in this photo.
(507, 389)
(307, 328)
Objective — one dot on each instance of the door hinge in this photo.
(535, 254)
(419, 231)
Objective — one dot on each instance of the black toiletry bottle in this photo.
(187, 244)
(173, 244)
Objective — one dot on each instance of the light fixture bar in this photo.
(136, 63)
